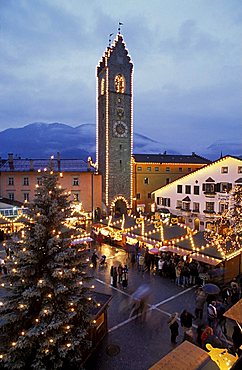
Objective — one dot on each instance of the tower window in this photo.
(119, 84)
(146, 180)
(102, 86)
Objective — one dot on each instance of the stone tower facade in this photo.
(115, 125)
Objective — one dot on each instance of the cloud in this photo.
(190, 41)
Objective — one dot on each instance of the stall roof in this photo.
(235, 312)
(180, 358)
(174, 249)
(205, 259)
(201, 243)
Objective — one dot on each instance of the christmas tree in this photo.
(228, 236)
(45, 314)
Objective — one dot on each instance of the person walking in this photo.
(141, 263)
(125, 277)
(111, 275)
(186, 321)
(212, 314)
(199, 303)
(94, 259)
(115, 277)
(120, 273)
(174, 327)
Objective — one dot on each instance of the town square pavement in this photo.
(130, 343)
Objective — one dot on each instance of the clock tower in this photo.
(115, 126)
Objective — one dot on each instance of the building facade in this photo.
(201, 196)
(20, 177)
(152, 171)
(114, 132)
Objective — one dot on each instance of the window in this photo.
(120, 163)
(26, 197)
(138, 196)
(75, 181)
(209, 188)
(39, 181)
(148, 168)
(188, 189)
(146, 180)
(10, 181)
(168, 180)
(119, 84)
(196, 190)
(76, 197)
(209, 207)
(149, 195)
(102, 86)
(223, 207)
(178, 204)
(11, 196)
(196, 207)
(168, 169)
(158, 201)
(157, 169)
(139, 168)
(240, 169)
(189, 169)
(26, 181)
(186, 206)
(180, 169)
(224, 187)
(224, 170)
(179, 188)
(166, 202)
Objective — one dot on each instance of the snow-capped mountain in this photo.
(41, 140)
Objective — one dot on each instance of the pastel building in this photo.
(19, 177)
(201, 196)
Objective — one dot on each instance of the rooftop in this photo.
(171, 158)
(62, 165)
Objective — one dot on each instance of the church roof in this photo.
(170, 158)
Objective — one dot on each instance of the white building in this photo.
(199, 197)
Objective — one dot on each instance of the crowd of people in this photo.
(208, 309)
(171, 266)
(212, 328)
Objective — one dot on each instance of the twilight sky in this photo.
(186, 54)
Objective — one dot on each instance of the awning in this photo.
(81, 240)
(173, 249)
(205, 259)
(235, 312)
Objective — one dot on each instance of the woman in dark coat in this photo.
(173, 325)
(115, 277)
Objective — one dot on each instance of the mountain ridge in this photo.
(41, 140)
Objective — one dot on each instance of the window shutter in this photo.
(217, 187)
(204, 187)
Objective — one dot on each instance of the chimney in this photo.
(10, 161)
(58, 162)
(31, 165)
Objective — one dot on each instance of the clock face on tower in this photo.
(120, 129)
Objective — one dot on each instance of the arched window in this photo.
(119, 83)
(102, 86)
